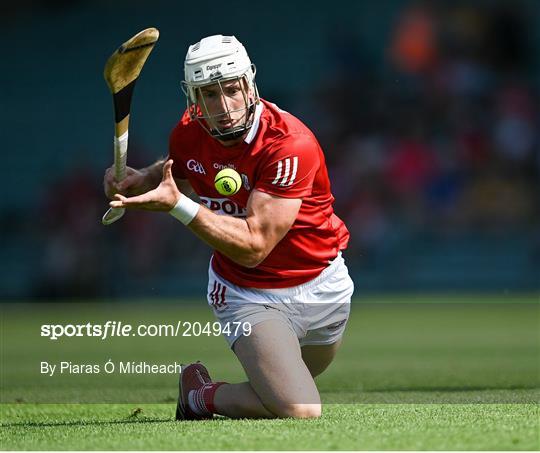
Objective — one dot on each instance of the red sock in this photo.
(201, 400)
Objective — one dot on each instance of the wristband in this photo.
(185, 210)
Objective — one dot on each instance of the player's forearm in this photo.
(234, 237)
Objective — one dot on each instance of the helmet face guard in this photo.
(218, 61)
(198, 110)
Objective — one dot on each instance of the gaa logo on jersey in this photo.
(195, 166)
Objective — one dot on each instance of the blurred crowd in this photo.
(446, 140)
(443, 140)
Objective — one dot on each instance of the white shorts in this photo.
(316, 311)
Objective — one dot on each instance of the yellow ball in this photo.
(228, 181)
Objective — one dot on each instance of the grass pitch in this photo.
(460, 374)
(343, 427)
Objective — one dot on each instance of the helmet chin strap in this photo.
(235, 133)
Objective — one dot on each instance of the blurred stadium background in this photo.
(428, 113)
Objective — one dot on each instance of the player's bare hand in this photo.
(163, 198)
(132, 184)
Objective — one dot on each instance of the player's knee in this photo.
(298, 410)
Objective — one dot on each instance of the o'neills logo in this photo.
(222, 166)
(195, 166)
(224, 206)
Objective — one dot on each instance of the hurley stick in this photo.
(121, 72)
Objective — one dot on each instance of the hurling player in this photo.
(277, 243)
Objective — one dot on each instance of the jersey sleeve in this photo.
(174, 154)
(291, 168)
(178, 140)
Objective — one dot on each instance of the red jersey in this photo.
(279, 156)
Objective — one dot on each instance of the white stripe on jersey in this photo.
(287, 172)
(287, 169)
(278, 173)
(295, 167)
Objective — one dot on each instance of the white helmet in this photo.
(213, 60)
